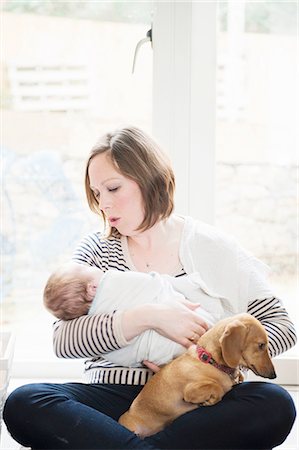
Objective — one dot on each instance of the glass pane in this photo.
(256, 173)
(67, 79)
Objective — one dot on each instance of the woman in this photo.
(131, 184)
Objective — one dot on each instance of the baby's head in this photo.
(70, 290)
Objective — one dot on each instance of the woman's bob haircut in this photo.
(137, 156)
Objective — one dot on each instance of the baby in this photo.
(74, 290)
(71, 289)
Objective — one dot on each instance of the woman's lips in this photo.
(113, 220)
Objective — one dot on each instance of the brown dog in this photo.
(202, 375)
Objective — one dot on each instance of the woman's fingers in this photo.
(151, 366)
(193, 331)
(178, 323)
(194, 337)
(190, 305)
(193, 307)
(202, 326)
(199, 326)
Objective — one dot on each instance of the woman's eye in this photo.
(114, 189)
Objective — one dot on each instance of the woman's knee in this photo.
(18, 400)
(271, 409)
(18, 410)
(23, 408)
(272, 396)
(281, 407)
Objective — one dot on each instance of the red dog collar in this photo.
(207, 358)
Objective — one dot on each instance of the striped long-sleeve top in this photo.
(91, 336)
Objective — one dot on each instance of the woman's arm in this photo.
(88, 336)
(281, 331)
(93, 335)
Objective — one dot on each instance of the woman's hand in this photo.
(153, 367)
(177, 322)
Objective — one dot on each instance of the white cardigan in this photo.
(227, 270)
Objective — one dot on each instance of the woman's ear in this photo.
(91, 290)
(232, 342)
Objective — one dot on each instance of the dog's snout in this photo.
(267, 373)
(272, 375)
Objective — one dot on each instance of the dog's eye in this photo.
(262, 346)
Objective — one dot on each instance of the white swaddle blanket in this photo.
(125, 290)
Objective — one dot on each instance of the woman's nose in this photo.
(105, 202)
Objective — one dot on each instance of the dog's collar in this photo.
(207, 358)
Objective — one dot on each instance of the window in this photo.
(67, 76)
(256, 160)
(241, 104)
(82, 60)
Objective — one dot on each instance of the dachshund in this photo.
(202, 375)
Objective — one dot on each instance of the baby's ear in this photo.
(91, 290)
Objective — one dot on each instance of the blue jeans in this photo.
(80, 416)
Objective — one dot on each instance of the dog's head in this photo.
(244, 342)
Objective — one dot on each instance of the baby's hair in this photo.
(65, 295)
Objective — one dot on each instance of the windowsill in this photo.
(287, 369)
(48, 368)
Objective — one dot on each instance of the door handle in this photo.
(139, 44)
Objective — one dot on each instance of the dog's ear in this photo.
(232, 342)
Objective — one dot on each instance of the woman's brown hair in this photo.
(137, 156)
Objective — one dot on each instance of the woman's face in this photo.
(119, 197)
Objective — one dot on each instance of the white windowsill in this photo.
(287, 369)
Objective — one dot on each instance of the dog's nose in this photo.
(272, 375)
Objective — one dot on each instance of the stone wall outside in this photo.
(257, 203)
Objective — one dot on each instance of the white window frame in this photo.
(184, 114)
(184, 99)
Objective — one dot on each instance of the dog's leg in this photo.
(135, 424)
(239, 378)
(142, 425)
(203, 394)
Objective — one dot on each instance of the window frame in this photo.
(184, 99)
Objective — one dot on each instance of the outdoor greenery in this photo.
(116, 10)
(269, 16)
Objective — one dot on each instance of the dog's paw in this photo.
(138, 435)
(203, 394)
(210, 401)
